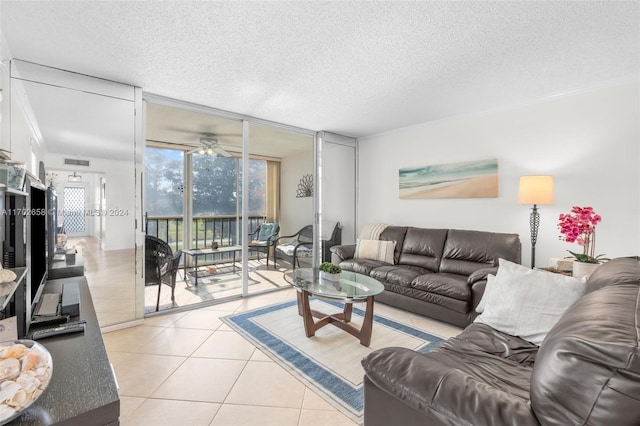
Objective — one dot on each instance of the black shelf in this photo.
(12, 191)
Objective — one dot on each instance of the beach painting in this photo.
(471, 179)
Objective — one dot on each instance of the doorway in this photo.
(74, 203)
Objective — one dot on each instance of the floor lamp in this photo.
(535, 190)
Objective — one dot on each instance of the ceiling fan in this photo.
(209, 145)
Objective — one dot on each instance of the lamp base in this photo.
(534, 224)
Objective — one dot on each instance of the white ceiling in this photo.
(353, 68)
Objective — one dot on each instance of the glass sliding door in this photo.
(280, 159)
(337, 197)
(214, 200)
(238, 183)
(206, 176)
(164, 199)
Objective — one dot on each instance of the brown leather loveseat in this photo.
(585, 372)
(439, 273)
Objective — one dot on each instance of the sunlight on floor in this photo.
(111, 278)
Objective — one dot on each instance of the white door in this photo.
(75, 203)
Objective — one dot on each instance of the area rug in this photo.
(329, 362)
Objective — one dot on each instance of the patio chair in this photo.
(335, 239)
(160, 265)
(301, 246)
(263, 238)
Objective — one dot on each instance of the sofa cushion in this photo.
(449, 285)
(361, 266)
(468, 251)
(623, 270)
(375, 250)
(525, 302)
(400, 275)
(267, 229)
(423, 248)
(471, 379)
(289, 249)
(457, 305)
(587, 371)
(397, 234)
(496, 343)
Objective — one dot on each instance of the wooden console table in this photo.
(83, 388)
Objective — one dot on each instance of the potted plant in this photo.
(329, 271)
(579, 227)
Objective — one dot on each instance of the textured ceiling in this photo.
(354, 68)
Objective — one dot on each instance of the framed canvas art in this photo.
(471, 179)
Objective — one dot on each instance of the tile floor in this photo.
(111, 278)
(189, 368)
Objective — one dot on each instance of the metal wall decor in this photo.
(305, 187)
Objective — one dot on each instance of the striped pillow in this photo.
(375, 250)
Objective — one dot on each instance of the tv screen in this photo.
(37, 238)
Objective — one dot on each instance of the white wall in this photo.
(339, 190)
(23, 139)
(590, 143)
(295, 212)
(5, 105)
(120, 197)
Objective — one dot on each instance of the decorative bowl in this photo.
(25, 372)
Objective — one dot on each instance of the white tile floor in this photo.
(189, 368)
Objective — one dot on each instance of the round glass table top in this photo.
(350, 285)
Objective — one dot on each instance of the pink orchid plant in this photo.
(580, 227)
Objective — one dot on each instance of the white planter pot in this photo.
(581, 269)
(331, 277)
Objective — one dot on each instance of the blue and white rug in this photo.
(329, 362)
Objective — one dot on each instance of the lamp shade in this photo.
(536, 190)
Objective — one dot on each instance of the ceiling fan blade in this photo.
(221, 151)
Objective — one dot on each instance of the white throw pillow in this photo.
(527, 303)
(488, 288)
(375, 250)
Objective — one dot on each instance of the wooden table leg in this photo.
(339, 320)
(299, 298)
(367, 324)
(348, 308)
(309, 324)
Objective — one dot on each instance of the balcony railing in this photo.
(205, 229)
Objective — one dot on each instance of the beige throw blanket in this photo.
(372, 231)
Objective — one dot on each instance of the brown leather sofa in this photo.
(586, 371)
(439, 273)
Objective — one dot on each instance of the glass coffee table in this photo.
(350, 288)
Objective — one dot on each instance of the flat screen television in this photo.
(37, 239)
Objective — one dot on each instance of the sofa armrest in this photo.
(478, 283)
(447, 393)
(481, 274)
(477, 291)
(342, 252)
